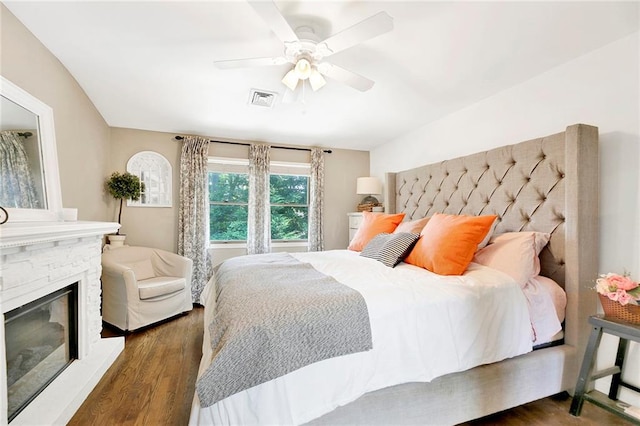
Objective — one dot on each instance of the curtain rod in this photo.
(292, 148)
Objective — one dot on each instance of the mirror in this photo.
(21, 166)
(154, 170)
(29, 180)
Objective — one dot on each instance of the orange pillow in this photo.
(372, 225)
(412, 227)
(448, 242)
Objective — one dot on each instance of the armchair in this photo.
(141, 286)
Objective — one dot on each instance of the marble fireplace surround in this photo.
(38, 258)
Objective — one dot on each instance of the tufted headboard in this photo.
(548, 184)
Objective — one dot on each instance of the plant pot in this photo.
(116, 240)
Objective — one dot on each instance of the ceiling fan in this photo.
(307, 55)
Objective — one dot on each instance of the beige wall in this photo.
(157, 227)
(82, 135)
(146, 226)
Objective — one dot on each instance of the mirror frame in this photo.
(49, 160)
(166, 178)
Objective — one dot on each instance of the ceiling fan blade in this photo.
(347, 77)
(371, 27)
(270, 13)
(251, 62)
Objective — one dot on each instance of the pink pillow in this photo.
(515, 254)
(412, 227)
(488, 237)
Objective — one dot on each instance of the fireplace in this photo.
(41, 340)
(50, 286)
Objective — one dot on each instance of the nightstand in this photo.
(626, 332)
(355, 219)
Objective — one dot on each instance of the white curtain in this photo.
(193, 215)
(17, 189)
(259, 217)
(316, 200)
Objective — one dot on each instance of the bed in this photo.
(546, 185)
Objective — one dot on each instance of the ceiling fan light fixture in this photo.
(291, 79)
(303, 69)
(316, 80)
(305, 50)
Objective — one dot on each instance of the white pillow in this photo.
(143, 269)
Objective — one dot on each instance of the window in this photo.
(229, 200)
(228, 206)
(289, 197)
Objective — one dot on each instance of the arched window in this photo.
(154, 170)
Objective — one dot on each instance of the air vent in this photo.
(262, 98)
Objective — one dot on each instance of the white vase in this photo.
(116, 240)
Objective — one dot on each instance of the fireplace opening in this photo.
(41, 340)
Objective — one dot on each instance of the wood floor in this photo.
(153, 380)
(152, 383)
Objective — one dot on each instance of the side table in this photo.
(609, 402)
(355, 219)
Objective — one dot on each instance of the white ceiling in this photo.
(149, 65)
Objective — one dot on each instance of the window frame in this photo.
(241, 166)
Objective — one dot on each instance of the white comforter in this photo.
(423, 325)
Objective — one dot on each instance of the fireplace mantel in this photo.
(18, 234)
(37, 258)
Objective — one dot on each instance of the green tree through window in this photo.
(228, 206)
(229, 197)
(289, 207)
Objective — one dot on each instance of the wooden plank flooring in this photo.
(152, 383)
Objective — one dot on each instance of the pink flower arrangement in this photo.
(619, 288)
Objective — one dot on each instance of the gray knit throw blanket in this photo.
(273, 316)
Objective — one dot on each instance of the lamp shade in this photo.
(291, 79)
(316, 80)
(368, 185)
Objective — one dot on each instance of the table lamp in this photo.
(368, 186)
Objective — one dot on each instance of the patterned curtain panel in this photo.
(17, 189)
(193, 215)
(259, 218)
(316, 201)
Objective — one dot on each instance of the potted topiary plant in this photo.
(123, 186)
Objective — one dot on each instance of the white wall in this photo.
(602, 89)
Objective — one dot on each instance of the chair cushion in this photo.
(160, 286)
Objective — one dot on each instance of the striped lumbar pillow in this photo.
(374, 246)
(390, 249)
